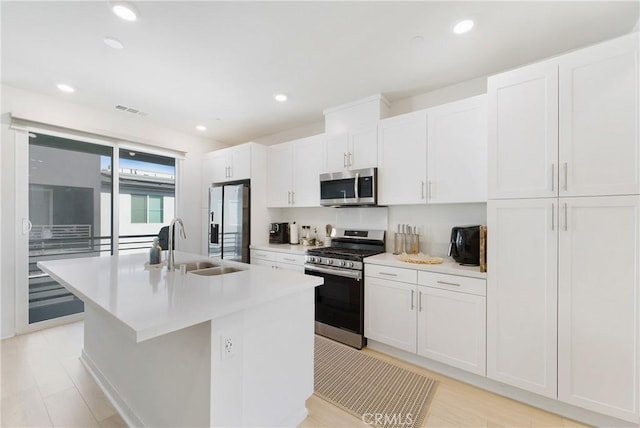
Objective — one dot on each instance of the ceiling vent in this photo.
(131, 110)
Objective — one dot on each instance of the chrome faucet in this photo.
(171, 264)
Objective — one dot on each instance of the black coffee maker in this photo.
(279, 233)
(465, 245)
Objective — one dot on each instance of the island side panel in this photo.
(161, 382)
(269, 375)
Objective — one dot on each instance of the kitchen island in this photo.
(182, 349)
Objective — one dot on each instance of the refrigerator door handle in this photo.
(214, 233)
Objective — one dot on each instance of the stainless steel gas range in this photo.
(340, 300)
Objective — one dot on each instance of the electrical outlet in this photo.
(227, 346)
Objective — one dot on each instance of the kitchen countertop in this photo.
(449, 266)
(152, 301)
(283, 248)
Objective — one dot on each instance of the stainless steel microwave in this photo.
(349, 188)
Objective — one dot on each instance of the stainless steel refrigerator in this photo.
(229, 216)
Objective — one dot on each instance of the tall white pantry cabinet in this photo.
(563, 293)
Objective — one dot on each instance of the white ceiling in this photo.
(219, 63)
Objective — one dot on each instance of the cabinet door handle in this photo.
(293, 198)
(566, 174)
(448, 283)
(553, 216)
(565, 217)
(412, 305)
(387, 274)
(289, 198)
(422, 191)
(429, 191)
(419, 301)
(344, 159)
(349, 163)
(553, 176)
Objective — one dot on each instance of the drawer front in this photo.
(296, 259)
(263, 255)
(462, 284)
(391, 273)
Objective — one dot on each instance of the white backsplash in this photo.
(434, 222)
(362, 218)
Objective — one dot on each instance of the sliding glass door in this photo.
(70, 211)
(70, 208)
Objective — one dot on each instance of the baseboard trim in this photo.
(129, 416)
(535, 400)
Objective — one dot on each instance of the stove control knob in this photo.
(343, 263)
(312, 259)
(350, 264)
(330, 261)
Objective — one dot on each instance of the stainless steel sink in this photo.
(217, 270)
(205, 264)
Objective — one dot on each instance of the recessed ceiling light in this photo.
(201, 128)
(113, 43)
(280, 97)
(463, 26)
(65, 88)
(132, 154)
(125, 10)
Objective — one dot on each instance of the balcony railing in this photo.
(47, 298)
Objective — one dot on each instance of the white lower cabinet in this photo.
(419, 312)
(452, 324)
(563, 300)
(278, 260)
(390, 313)
(522, 251)
(599, 305)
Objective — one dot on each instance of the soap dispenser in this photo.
(155, 253)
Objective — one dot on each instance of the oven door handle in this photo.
(354, 274)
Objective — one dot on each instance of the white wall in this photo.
(444, 95)
(48, 110)
(292, 134)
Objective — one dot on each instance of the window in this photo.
(155, 209)
(147, 209)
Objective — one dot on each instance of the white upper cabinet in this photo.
(230, 164)
(306, 169)
(599, 151)
(355, 149)
(293, 174)
(523, 132)
(567, 126)
(599, 305)
(522, 293)
(457, 152)
(402, 159)
(279, 175)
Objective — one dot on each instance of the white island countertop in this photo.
(448, 266)
(152, 301)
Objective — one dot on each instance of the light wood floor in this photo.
(44, 384)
